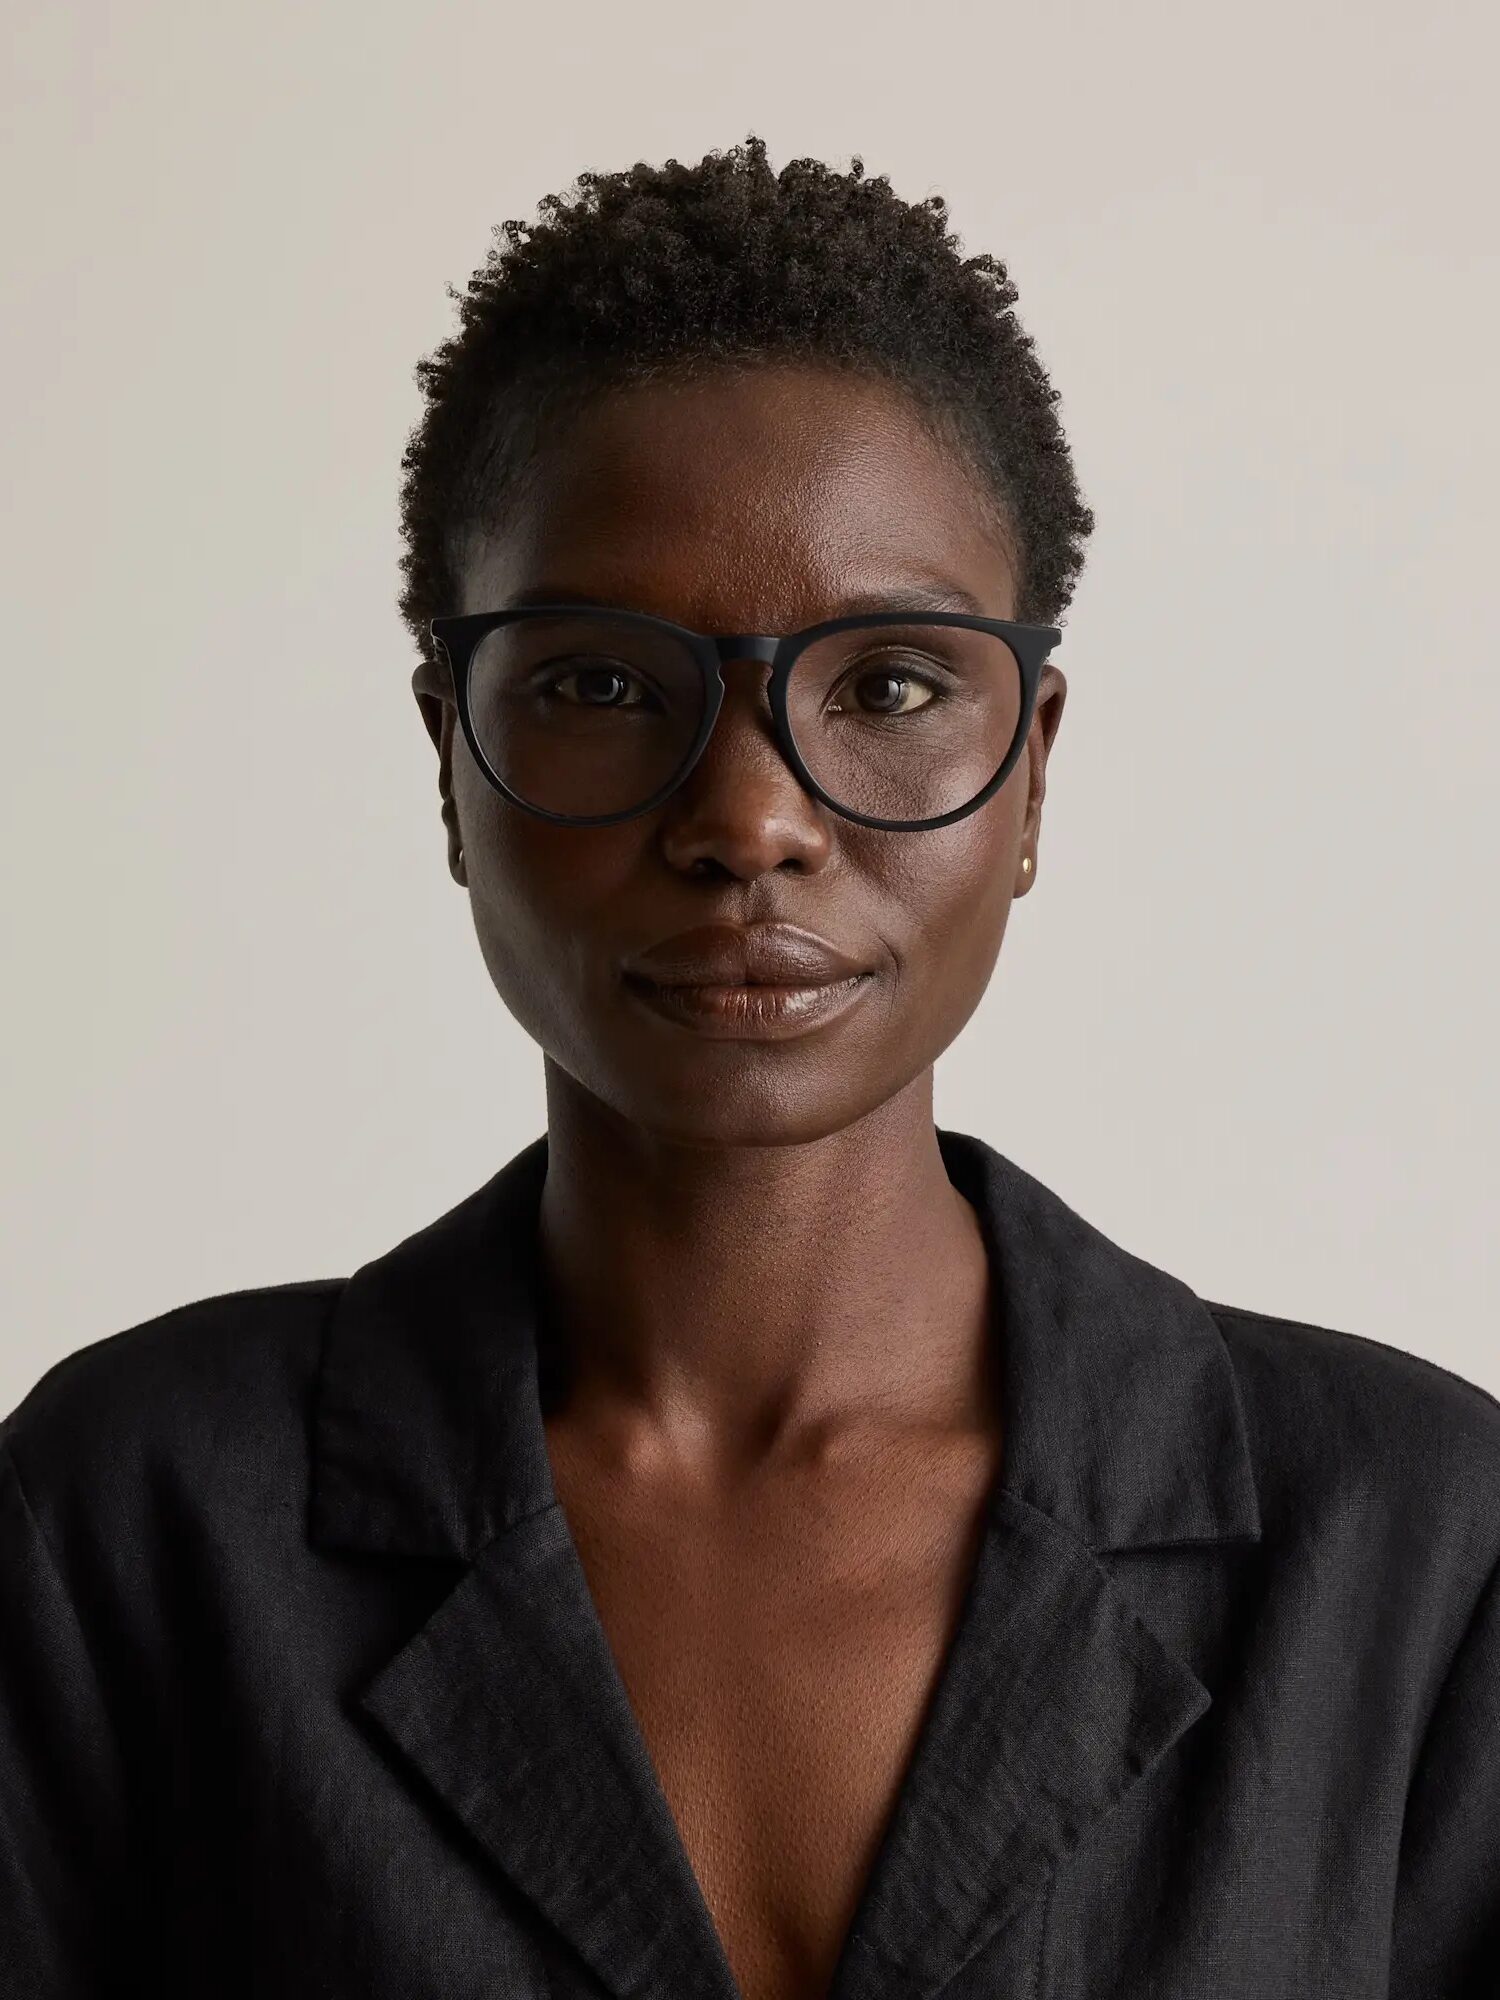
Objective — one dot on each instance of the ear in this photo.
(434, 694)
(1052, 694)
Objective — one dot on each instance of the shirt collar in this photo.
(1122, 1413)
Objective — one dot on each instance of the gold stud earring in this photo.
(1026, 864)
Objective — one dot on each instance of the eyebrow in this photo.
(907, 597)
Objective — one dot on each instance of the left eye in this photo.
(889, 691)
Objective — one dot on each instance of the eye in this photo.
(599, 682)
(887, 691)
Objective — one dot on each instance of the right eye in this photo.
(599, 683)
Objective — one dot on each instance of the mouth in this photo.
(759, 1011)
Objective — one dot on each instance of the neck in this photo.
(730, 1304)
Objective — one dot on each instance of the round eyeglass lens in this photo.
(584, 714)
(905, 722)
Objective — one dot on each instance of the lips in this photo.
(725, 954)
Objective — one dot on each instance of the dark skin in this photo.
(781, 1416)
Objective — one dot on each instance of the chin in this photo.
(760, 1104)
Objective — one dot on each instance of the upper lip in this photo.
(743, 955)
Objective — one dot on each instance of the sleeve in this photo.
(67, 1901)
(1446, 1940)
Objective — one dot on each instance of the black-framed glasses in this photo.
(590, 715)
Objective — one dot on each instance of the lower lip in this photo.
(749, 1013)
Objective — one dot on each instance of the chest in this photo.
(779, 1655)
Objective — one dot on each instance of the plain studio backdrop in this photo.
(1246, 1022)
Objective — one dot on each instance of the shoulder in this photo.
(1355, 1388)
(213, 1390)
(1391, 1452)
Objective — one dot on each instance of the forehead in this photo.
(749, 499)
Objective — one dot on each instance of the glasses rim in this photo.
(457, 637)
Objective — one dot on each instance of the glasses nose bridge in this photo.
(759, 646)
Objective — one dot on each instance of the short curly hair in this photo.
(665, 270)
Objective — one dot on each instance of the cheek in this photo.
(960, 938)
(954, 887)
(542, 898)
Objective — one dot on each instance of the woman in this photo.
(759, 1542)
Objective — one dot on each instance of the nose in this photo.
(742, 806)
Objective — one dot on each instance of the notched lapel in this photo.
(509, 1705)
(1055, 1701)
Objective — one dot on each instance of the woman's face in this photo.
(750, 501)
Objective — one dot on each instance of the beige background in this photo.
(1245, 1024)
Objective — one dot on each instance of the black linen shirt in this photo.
(303, 1693)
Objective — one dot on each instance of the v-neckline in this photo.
(1053, 1699)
